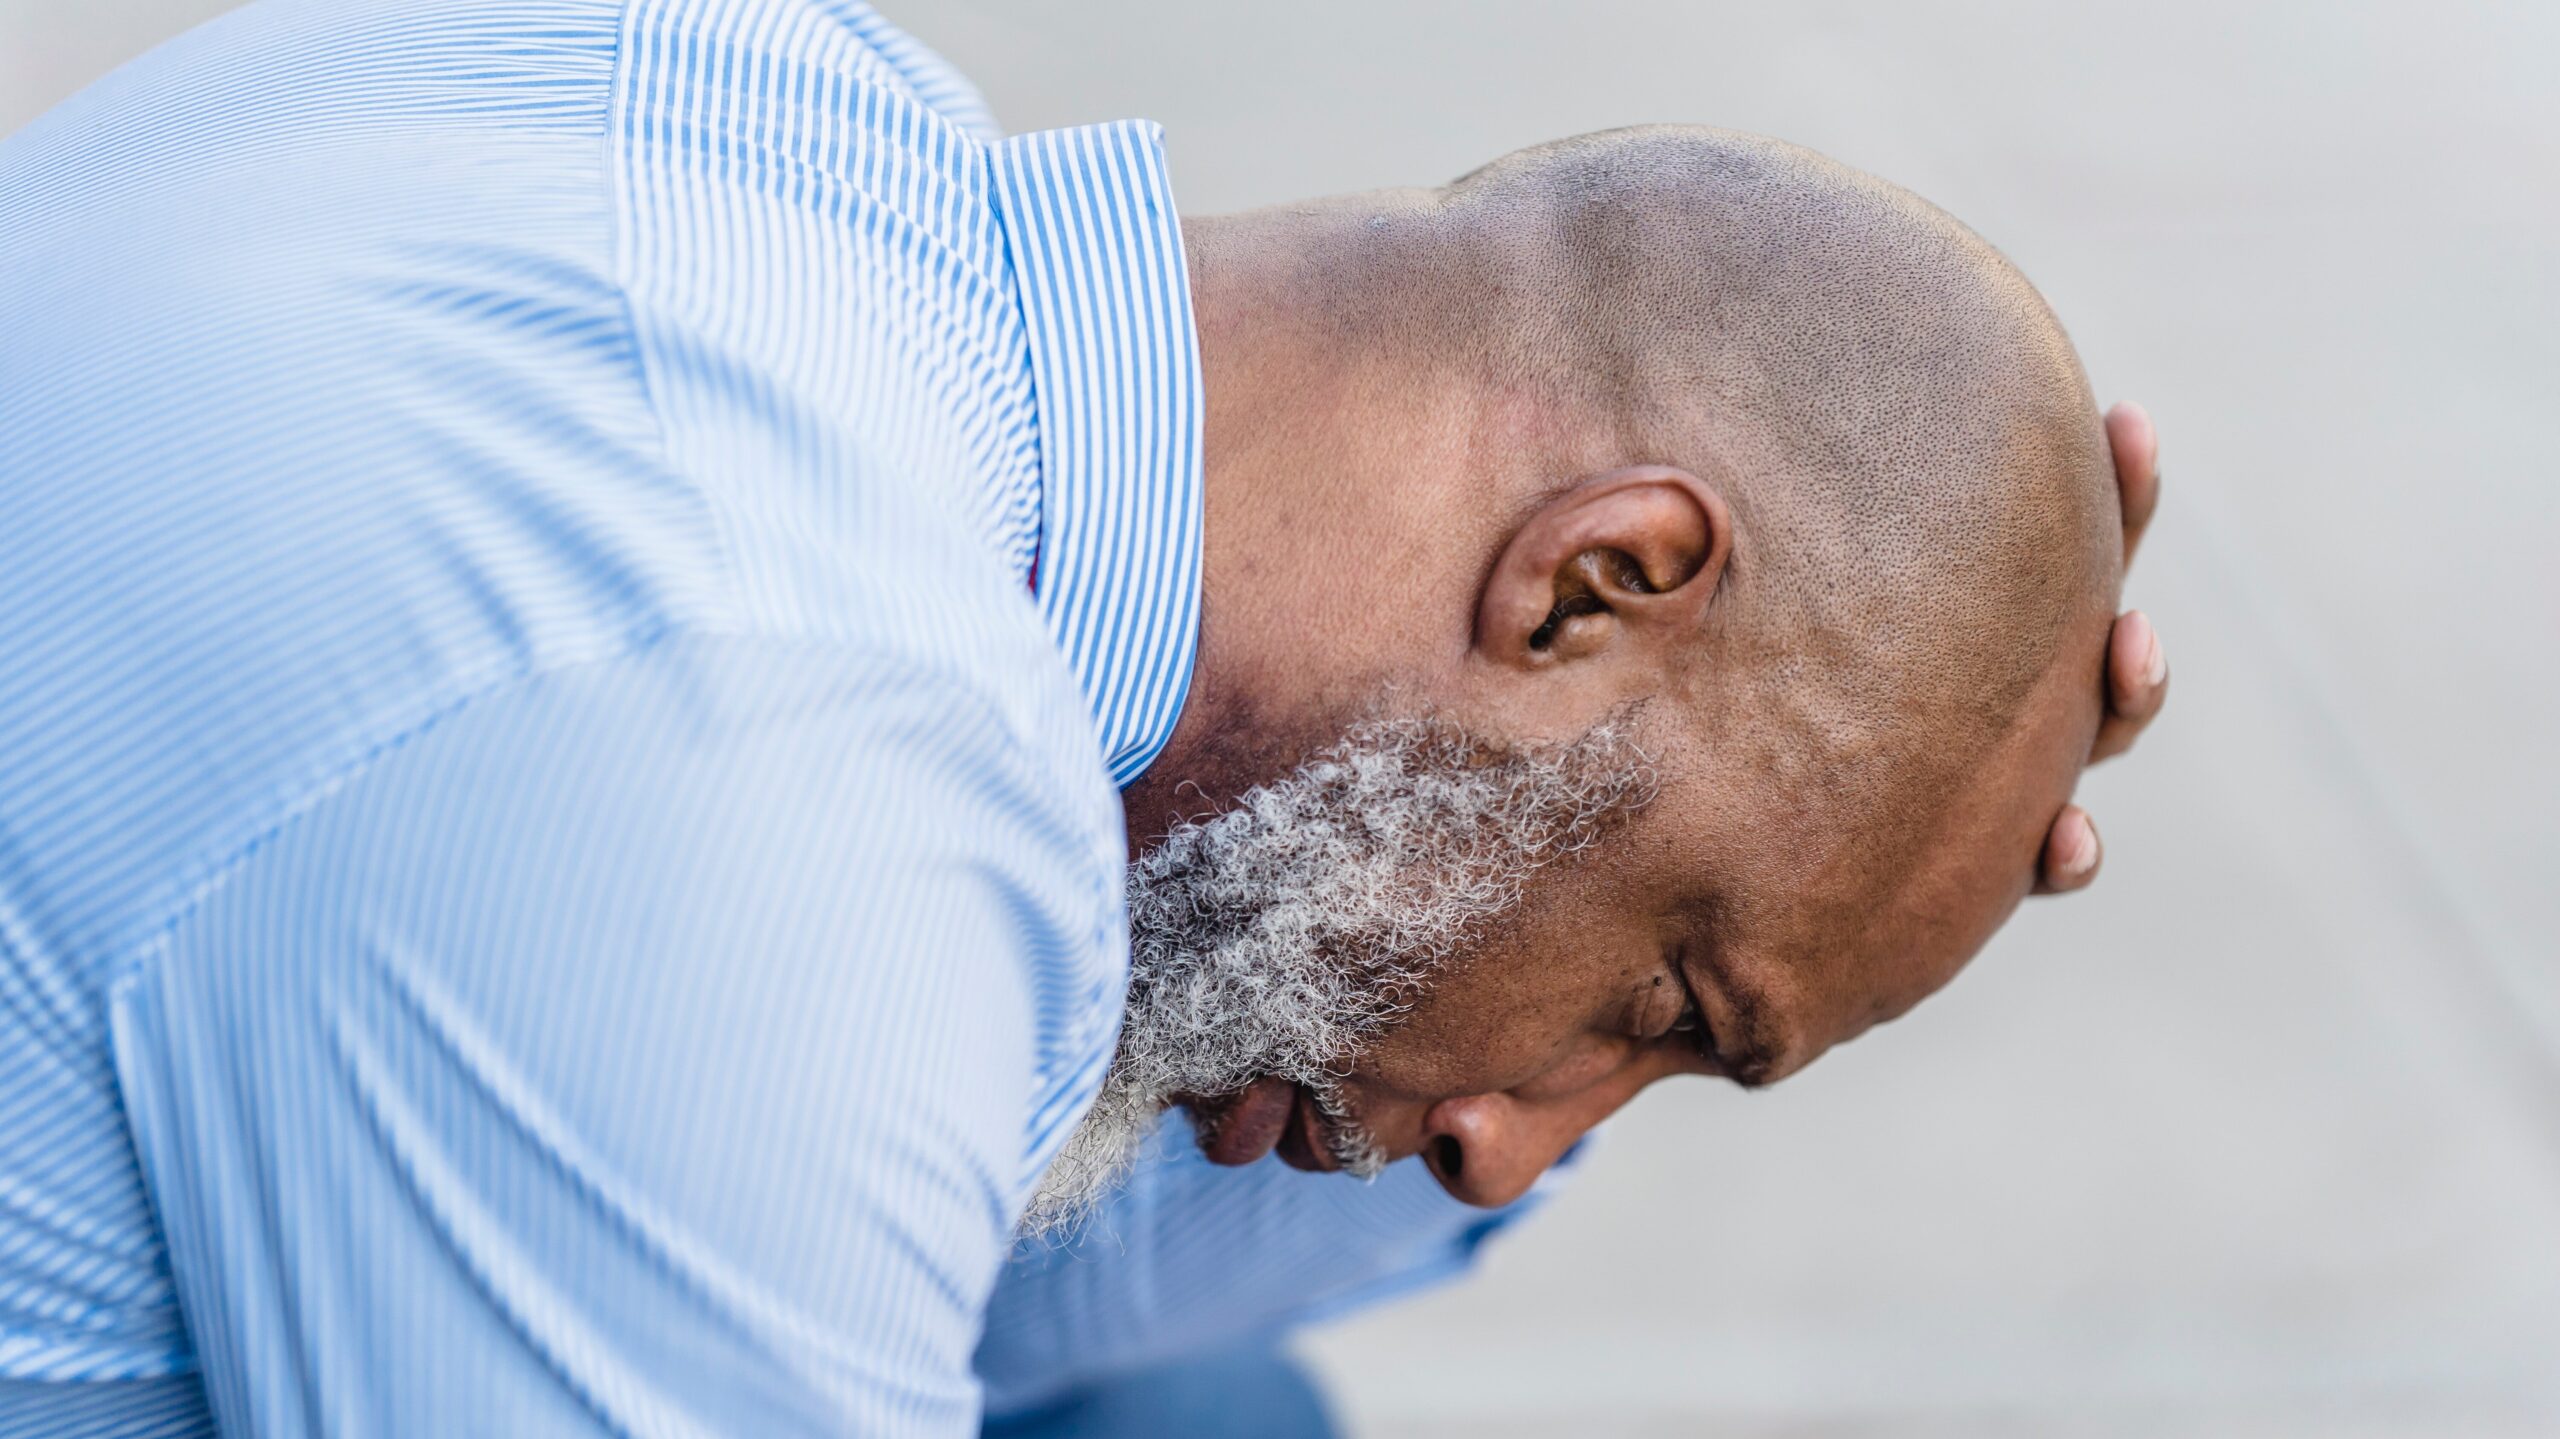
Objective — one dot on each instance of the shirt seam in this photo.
(134, 957)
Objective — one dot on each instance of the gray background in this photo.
(2262, 1137)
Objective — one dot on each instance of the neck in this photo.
(1252, 367)
(1346, 476)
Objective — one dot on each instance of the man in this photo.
(599, 594)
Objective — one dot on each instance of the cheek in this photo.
(1465, 1037)
(1513, 1011)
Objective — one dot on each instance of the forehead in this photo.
(1842, 911)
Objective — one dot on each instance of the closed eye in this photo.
(1692, 1029)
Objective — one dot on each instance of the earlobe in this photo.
(1627, 557)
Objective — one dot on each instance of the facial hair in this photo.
(1281, 935)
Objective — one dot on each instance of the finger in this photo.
(2137, 684)
(2071, 853)
(2137, 452)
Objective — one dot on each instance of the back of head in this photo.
(1918, 471)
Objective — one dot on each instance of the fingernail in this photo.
(2084, 853)
(2155, 663)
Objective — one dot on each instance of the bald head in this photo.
(1751, 492)
(1898, 421)
(1893, 410)
(1925, 522)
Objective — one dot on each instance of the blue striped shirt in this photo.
(1191, 1257)
(576, 581)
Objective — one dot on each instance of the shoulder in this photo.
(930, 77)
(864, 828)
(847, 36)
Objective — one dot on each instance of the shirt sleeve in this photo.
(1191, 1257)
(644, 1049)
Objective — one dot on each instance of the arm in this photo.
(645, 1048)
(1191, 1257)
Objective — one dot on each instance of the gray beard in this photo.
(1283, 934)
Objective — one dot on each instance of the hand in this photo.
(2137, 670)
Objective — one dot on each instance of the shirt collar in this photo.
(1115, 365)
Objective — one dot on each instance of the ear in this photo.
(1621, 564)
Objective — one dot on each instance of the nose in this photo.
(1487, 1149)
